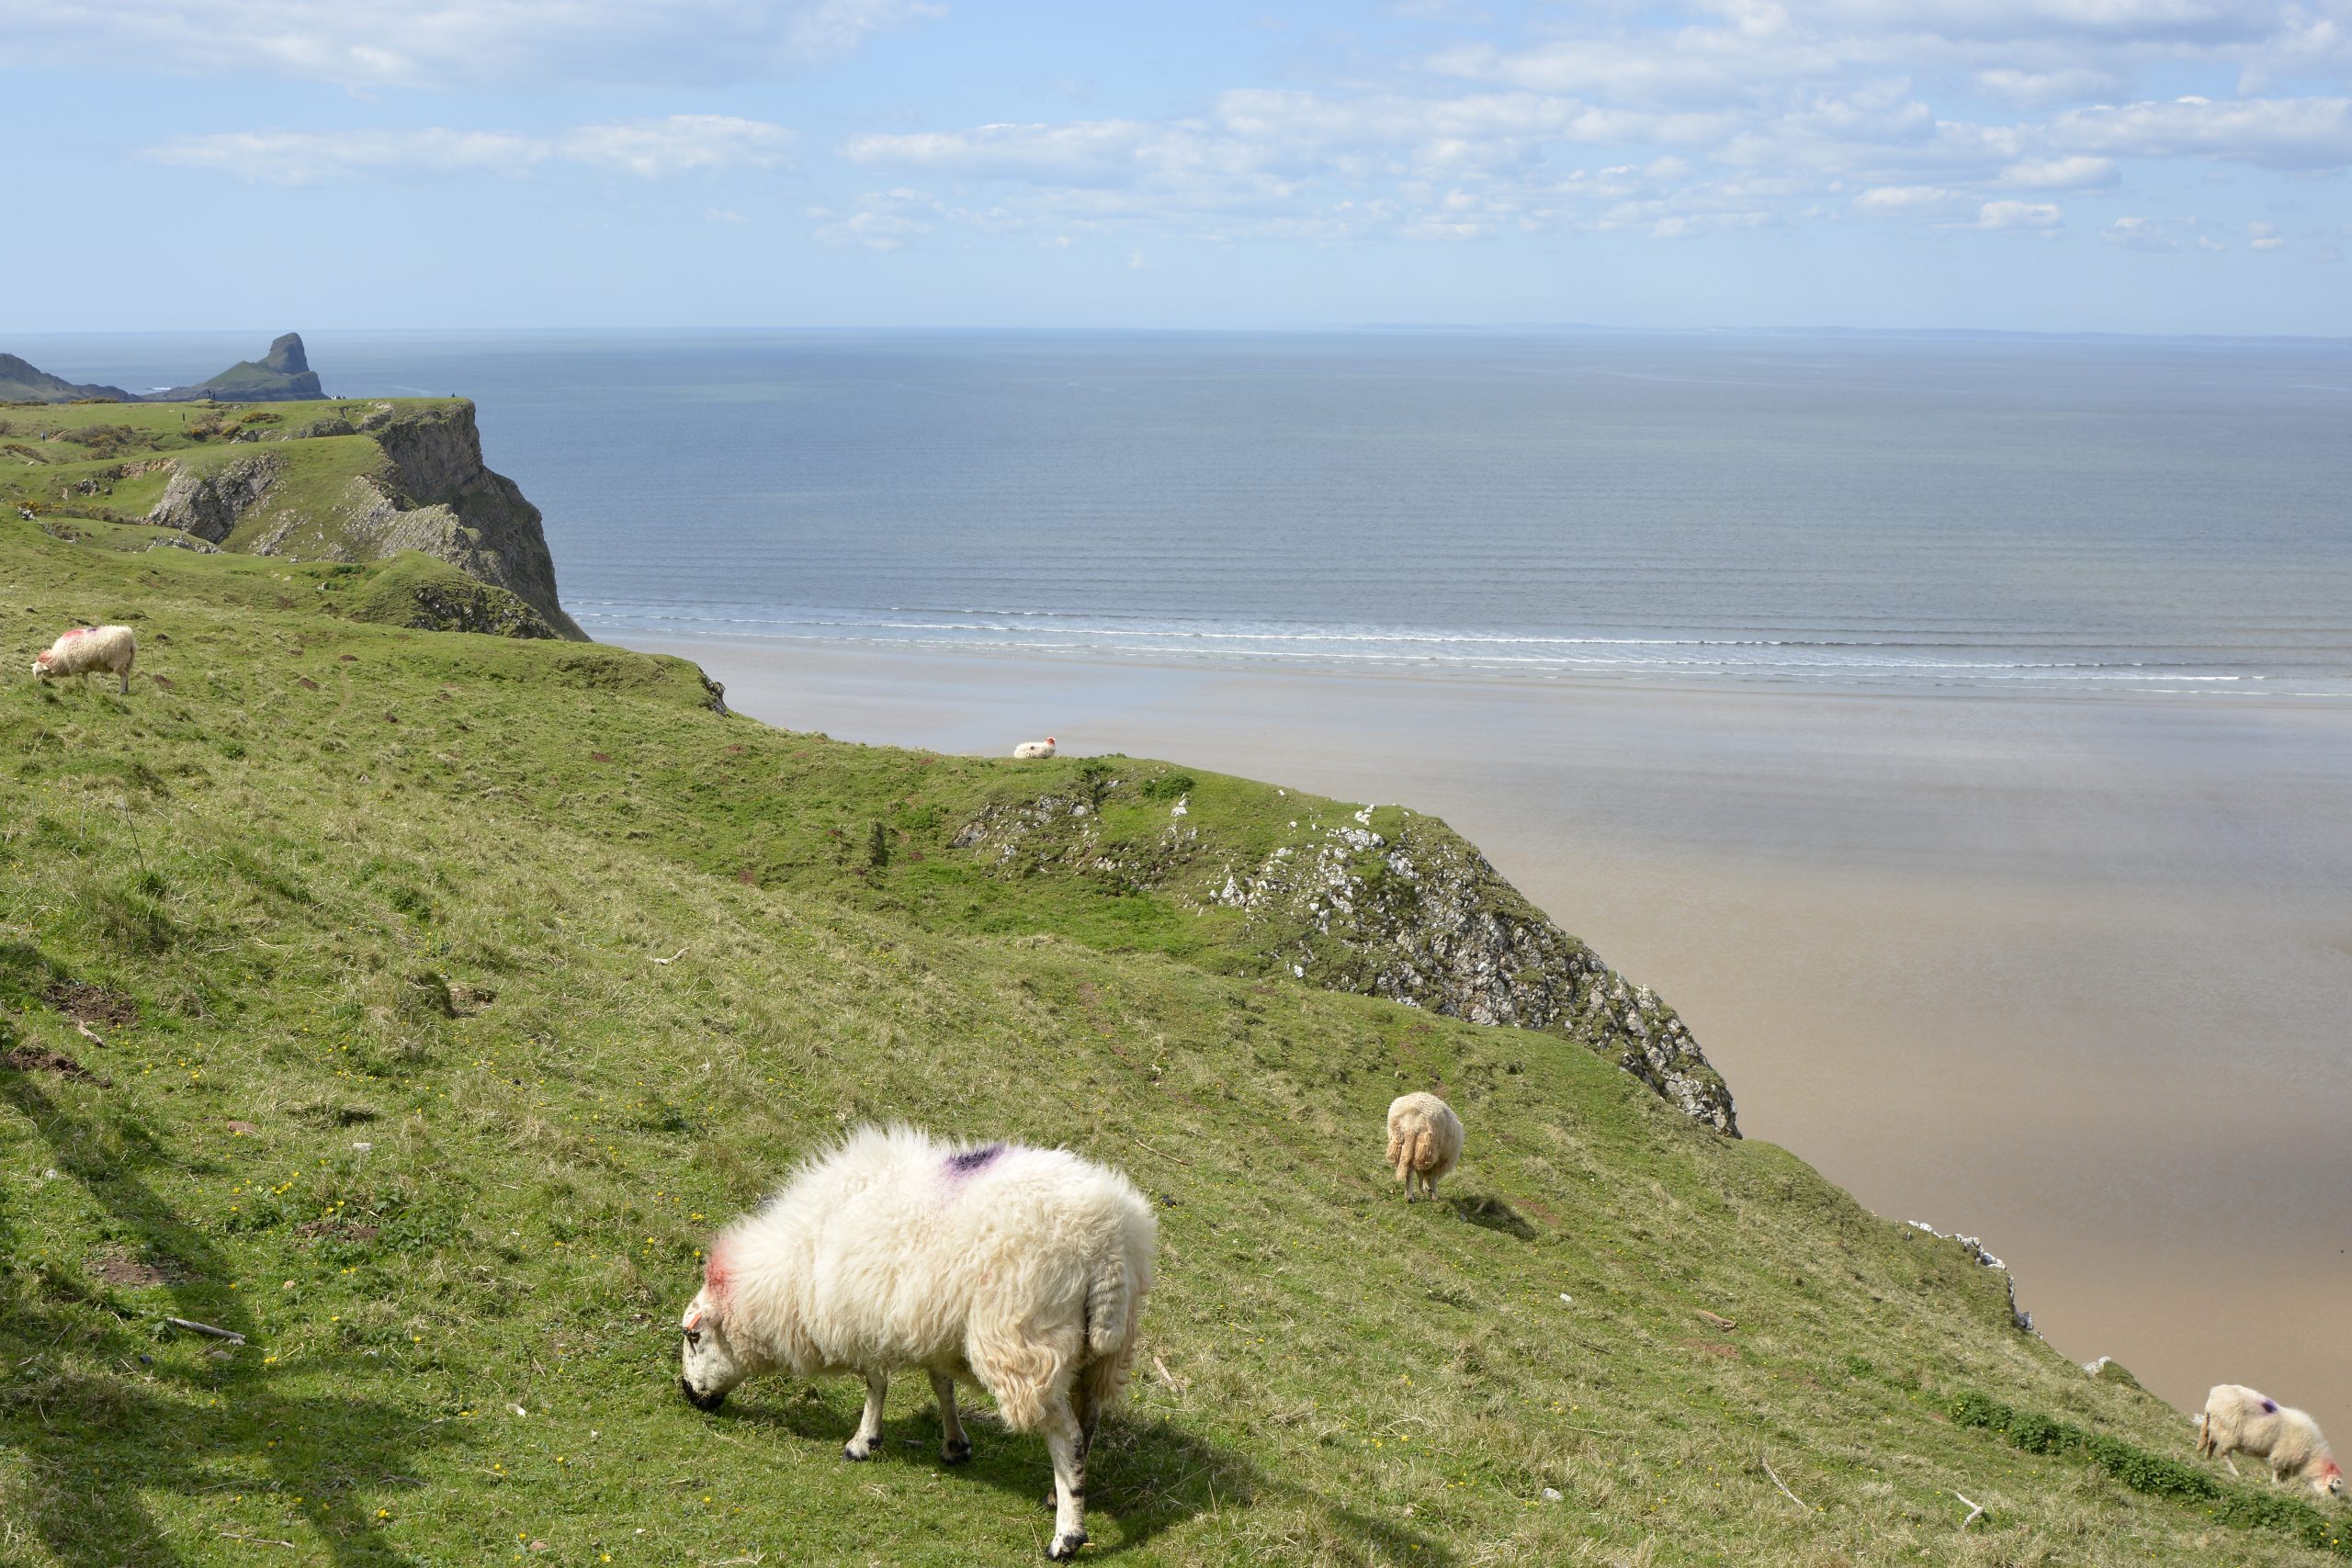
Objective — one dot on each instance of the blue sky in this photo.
(2126, 166)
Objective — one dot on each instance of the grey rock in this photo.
(208, 500)
(1416, 915)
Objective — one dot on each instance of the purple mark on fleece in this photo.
(2271, 1407)
(971, 1161)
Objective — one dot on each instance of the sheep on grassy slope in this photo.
(1031, 751)
(2237, 1419)
(1022, 1269)
(84, 649)
(1424, 1140)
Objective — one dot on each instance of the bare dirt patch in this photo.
(34, 1059)
(99, 1006)
(117, 1267)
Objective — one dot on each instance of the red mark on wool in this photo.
(715, 1276)
(73, 631)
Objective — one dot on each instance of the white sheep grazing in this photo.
(1022, 1269)
(81, 650)
(1424, 1140)
(1031, 751)
(2237, 1419)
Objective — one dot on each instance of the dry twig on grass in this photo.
(1776, 1481)
(193, 1326)
(1975, 1511)
(675, 956)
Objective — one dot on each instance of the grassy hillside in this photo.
(416, 1004)
(110, 462)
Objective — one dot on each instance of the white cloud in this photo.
(2036, 217)
(885, 220)
(2158, 235)
(2077, 173)
(1908, 200)
(2044, 89)
(433, 43)
(648, 148)
(2304, 134)
(1135, 262)
(2263, 237)
(1677, 121)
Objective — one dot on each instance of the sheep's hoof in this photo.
(956, 1452)
(852, 1452)
(1066, 1546)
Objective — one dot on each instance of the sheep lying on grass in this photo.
(1031, 751)
(84, 649)
(1424, 1140)
(2239, 1420)
(1022, 1269)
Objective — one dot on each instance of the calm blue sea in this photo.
(2152, 517)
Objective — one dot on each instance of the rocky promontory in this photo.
(21, 382)
(402, 477)
(282, 376)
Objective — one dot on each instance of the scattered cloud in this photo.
(648, 149)
(2299, 134)
(2159, 235)
(372, 44)
(2263, 237)
(885, 220)
(2077, 173)
(2040, 218)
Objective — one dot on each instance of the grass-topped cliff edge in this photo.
(415, 1004)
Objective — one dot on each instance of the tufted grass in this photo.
(408, 1102)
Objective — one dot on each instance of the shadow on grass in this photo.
(92, 1445)
(1493, 1214)
(1146, 1474)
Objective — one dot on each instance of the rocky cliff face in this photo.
(1393, 905)
(429, 491)
(207, 503)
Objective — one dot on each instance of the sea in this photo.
(2149, 518)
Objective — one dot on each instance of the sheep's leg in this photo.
(1405, 1174)
(868, 1437)
(1064, 1441)
(955, 1447)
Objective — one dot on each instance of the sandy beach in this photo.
(2064, 974)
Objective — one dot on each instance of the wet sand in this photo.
(2066, 974)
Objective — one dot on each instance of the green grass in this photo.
(392, 900)
(72, 461)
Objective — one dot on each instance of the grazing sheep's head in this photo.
(2329, 1481)
(709, 1364)
(40, 662)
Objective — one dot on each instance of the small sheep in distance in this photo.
(1424, 1141)
(81, 650)
(1022, 1269)
(1033, 750)
(2237, 1419)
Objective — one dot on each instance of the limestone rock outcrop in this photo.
(1404, 908)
